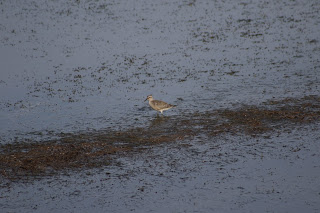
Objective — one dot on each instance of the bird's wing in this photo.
(161, 104)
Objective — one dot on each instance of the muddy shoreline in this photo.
(76, 136)
(24, 160)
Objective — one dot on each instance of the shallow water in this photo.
(226, 174)
(72, 66)
(84, 66)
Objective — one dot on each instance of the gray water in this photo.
(69, 66)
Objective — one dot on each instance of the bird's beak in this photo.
(146, 99)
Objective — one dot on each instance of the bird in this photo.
(159, 105)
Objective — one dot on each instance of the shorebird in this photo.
(159, 105)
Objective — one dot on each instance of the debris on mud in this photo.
(22, 160)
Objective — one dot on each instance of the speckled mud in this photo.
(76, 136)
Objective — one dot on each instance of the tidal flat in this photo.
(77, 136)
